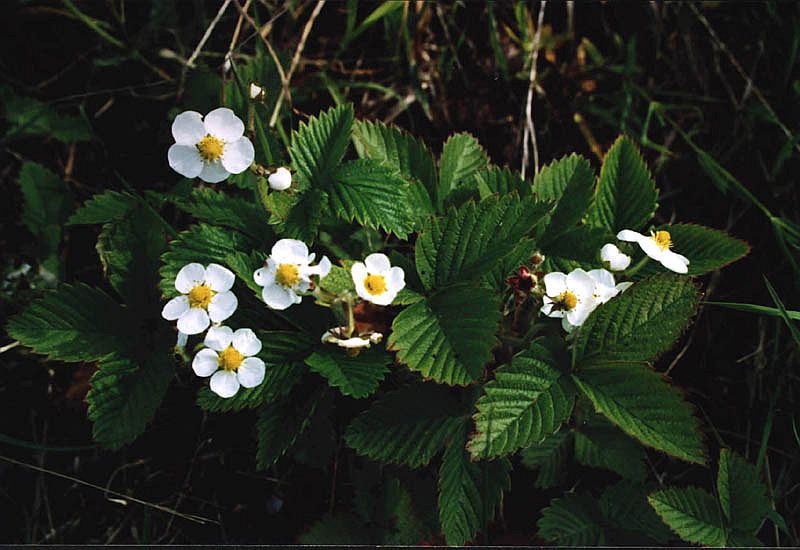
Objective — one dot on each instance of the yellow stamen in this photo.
(210, 148)
(568, 300)
(375, 284)
(662, 239)
(287, 275)
(230, 359)
(200, 296)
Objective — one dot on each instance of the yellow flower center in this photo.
(230, 359)
(568, 300)
(287, 275)
(375, 284)
(210, 148)
(200, 296)
(662, 239)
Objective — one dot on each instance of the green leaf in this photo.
(103, 208)
(448, 337)
(572, 520)
(357, 376)
(405, 525)
(280, 423)
(548, 456)
(742, 495)
(73, 323)
(519, 256)
(626, 193)
(218, 208)
(408, 426)
(600, 445)
(639, 324)
(578, 247)
(319, 145)
(707, 249)
(468, 241)
(28, 116)
(643, 405)
(527, 401)
(625, 507)
(501, 181)
(278, 381)
(340, 528)
(47, 203)
(373, 195)
(125, 395)
(462, 156)
(569, 182)
(397, 150)
(305, 217)
(469, 491)
(203, 244)
(691, 513)
(339, 280)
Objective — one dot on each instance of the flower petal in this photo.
(578, 315)
(175, 308)
(674, 262)
(246, 342)
(224, 124)
(213, 172)
(219, 278)
(630, 236)
(264, 276)
(358, 272)
(222, 306)
(251, 372)
(205, 362)
(193, 321)
(185, 160)
(377, 263)
(555, 283)
(190, 276)
(218, 338)
(384, 299)
(547, 308)
(278, 297)
(622, 287)
(580, 283)
(290, 251)
(602, 277)
(650, 248)
(188, 128)
(238, 155)
(565, 324)
(281, 180)
(396, 279)
(225, 383)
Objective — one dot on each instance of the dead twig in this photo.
(530, 129)
(207, 34)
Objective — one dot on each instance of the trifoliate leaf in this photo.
(73, 323)
(280, 422)
(569, 183)
(468, 241)
(448, 337)
(374, 196)
(397, 150)
(692, 513)
(356, 376)
(601, 445)
(501, 181)
(462, 156)
(469, 492)
(305, 217)
(319, 145)
(639, 324)
(103, 208)
(625, 507)
(407, 426)
(203, 244)
(548, 456)
(639, 401)
(527, 401)
(572, 520)
(742, 495)
(707, 249)
(220, 209)
(626, 193)
(125, 395)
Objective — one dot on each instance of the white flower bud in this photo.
(615, 260)
(281, 180)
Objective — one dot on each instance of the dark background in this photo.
(739, 369)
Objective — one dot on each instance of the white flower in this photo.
(657, 246)
(256, 92)
(337, 336)
(604, 290)
(613, 258)
(376, 280)
(228, 359)
(287, 273)
(281, 180)
(212, 148)
(205, 297)
(569, 296)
